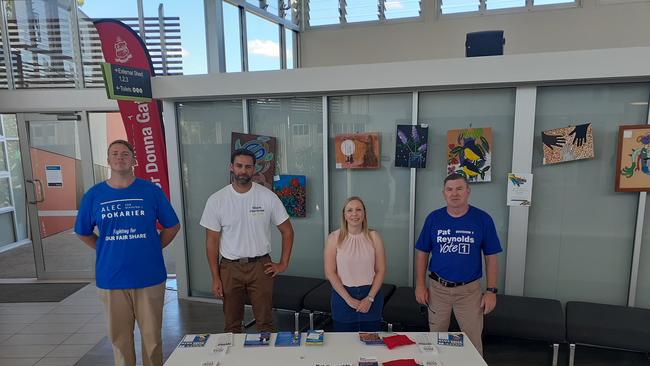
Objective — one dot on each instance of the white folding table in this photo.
(338, 349)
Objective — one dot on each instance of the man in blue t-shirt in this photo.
(130, 270)
(455, 236)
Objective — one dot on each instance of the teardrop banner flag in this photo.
(142, 119)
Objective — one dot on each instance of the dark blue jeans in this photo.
(347, 319)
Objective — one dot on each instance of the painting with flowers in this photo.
(292, 192)
(469, 153)
(411, 146)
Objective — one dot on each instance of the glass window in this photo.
(186, 55)
(643, 284)
(289, 34)
(6, 228)
(548, 2)
(5, 193)
(458, 6)
(579, 228)
(396, 9)
(232, 37)
(41, 43)
(3, 158)
(263, 43)
(204, 130)
(17, 185)
(297, 124)
(450, 110)
(387, 204)
(322, 12)
(9, 127)
(361, 10)
(504, 4)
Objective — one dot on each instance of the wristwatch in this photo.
(372, 299)
(493, 290)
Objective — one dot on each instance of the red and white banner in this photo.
(142, 120)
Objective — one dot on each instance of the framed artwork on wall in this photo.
(568, 144)
(264, 149)
(469, 153)
(632, 167)
(357, 150)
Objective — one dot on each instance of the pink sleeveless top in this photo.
(355, 260)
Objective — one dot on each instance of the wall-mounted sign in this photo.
(54, 176)
(126, 83)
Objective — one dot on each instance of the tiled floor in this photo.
(51, 333)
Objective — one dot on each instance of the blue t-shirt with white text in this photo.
(129, 253)
(455, 243)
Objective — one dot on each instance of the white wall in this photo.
(592, 25)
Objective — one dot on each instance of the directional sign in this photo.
(126, 83)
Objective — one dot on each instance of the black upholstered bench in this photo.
(318, 300)
(289, 293)
(527, 318)
(404, 313)
(611, 326)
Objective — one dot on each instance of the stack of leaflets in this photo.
(257, 339)
(432, 363)
(368, 361)
(450, 339)
(224, 341)
(287, 339)
(315, 338)
(370, 338)
(425, 343)
(194, 340)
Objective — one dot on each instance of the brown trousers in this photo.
(123, 309)
(240, 280)
(465, 301)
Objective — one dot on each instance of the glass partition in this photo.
(580, 232)
(384, 190)
(297, 124)
(204, 130)
(450, 110)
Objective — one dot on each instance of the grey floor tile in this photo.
(4, 336)
(19, 361)
(57, 361)
(65, 318)
(85, 301)
(25, 339)
(101, 319)
(26, 310)
(70, 350)
(93, 328)
(50, 328)
(26, 351)
(77, 309)
(12, 328)
(19, 318)
(85, 338)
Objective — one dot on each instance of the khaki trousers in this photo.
(465, 301)
(238, 281)
(123, 309)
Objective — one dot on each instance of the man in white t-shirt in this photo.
(237, 221)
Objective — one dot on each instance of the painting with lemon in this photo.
(469, 153)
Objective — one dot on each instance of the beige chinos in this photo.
(123, 309)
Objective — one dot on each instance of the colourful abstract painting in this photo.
(357, 150)
(469, 153)
(632, 168)
(411, 146)
(264, 149)
(292, 192)
(567, 144)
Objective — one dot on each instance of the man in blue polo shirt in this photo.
(455, 236)
(130, 271)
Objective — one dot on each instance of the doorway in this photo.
(57, 169)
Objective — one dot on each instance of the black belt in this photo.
(446, 283)
(245, 259)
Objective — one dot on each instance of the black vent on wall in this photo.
(486, 43)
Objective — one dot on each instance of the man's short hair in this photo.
(122, 142)
(240, 152)
(455, 176)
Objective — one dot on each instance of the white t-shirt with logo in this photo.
(244, 220)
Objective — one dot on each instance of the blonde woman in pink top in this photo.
(355, 265)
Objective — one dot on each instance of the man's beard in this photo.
(243, 179)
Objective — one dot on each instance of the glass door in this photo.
(57, 167)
